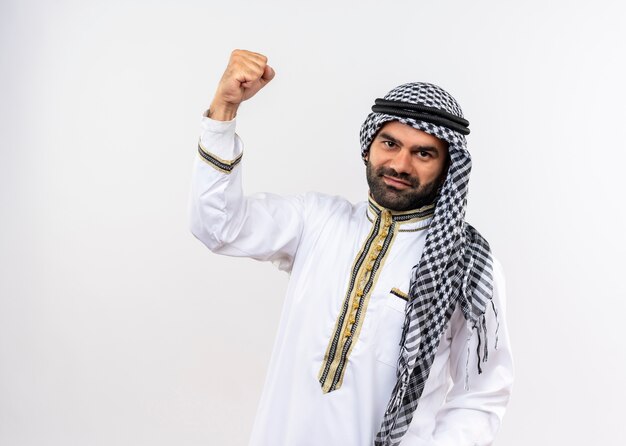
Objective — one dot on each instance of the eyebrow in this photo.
(387, 136)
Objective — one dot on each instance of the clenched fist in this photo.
(245, 75)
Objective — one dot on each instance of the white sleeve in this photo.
(263, 226)
(471, 417)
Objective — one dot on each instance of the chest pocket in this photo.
(390, 328)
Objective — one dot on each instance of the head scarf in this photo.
(455, 267)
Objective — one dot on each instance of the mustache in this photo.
(388, 171)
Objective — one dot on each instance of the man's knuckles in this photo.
(243, 57)
(246, 72)
(240, 52)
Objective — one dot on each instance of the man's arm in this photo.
(264, 226)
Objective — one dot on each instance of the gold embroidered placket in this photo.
(365, 272)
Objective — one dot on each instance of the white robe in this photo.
(317, 239)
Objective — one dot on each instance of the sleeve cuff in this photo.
(219, 146)
(215, 126)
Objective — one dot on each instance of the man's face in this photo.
(405, 167)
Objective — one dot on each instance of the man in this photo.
(390, 313)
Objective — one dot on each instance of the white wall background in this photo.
(117, 327)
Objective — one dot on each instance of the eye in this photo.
(389, 144)
(424, 154)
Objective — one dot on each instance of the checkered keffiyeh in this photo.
(455, 266)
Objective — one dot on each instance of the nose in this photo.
(401, 161)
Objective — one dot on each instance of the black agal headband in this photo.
(422, 113)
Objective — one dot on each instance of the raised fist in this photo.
(245, 75)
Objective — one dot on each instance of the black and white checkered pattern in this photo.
(455, 267)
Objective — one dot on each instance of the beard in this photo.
(414, 197)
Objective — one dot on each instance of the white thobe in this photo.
(325, 243)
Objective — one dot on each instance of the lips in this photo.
(396, 182)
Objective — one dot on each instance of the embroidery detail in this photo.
(399, 293)
(405, 216)
(216, 162)
(417, 216)
(421, 228)
(365, 271)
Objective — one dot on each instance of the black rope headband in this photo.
(422, 113)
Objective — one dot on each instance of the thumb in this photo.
(268, 74)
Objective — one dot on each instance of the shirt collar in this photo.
(411, 220)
